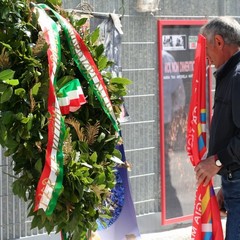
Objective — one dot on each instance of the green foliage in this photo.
(90, 138)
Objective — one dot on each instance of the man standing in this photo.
(222, 47)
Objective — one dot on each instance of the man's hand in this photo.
(205, 170)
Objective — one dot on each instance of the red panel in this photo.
(161, 25)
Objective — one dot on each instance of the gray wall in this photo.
(141, 134)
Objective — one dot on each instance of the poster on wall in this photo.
(177, 41)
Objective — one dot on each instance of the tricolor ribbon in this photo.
(86, 65)
(50, 183)
(72, 97)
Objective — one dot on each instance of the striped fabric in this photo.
(72, 97)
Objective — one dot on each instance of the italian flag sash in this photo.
(86, 65)
(50, 183)
(71, 98)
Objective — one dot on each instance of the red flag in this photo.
(206, 217)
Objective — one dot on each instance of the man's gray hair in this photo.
(227, 27)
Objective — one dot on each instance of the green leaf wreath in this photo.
(90, 139)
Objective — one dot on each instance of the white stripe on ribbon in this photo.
(203, 126)
(207, 227)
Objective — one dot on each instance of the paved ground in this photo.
(174, 234)
(178, 234)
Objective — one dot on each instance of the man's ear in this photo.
(219, 42)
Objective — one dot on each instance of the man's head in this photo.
(223, 39)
